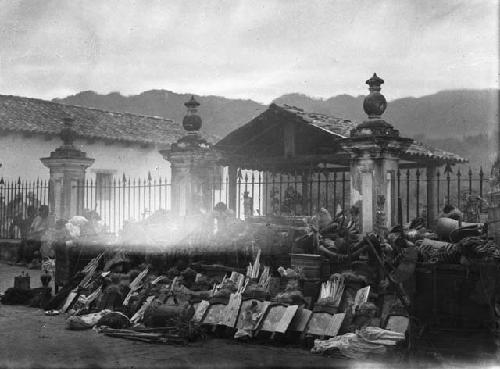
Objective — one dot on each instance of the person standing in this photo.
(25, 230)
(38, 228)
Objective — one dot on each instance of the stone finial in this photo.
(374, 104)
(374, 82)
(192, 121)
(67, 133)
(192, 103)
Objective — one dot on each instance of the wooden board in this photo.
(200, 310)
(398, 323)
(72, 295)
(261, 309)
(232, 310)
(361, 297)
(324, 324)
(214, 314)
(287, 318)
(278, 318)
(300, 320)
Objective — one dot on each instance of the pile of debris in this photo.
(122, 300)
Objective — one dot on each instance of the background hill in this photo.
(462, 121)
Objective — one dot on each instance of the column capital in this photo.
(376, 147)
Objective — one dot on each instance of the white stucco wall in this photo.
(20, 157)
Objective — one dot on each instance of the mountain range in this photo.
(462, 121)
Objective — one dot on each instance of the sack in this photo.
(84, 321)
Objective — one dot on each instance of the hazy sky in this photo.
(247, 48)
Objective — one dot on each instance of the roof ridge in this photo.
(301, 110)
(86, 107)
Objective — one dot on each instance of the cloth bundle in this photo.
(438, 251)
(478, 248)
(85, 321)
(368, 340)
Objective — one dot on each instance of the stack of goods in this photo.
(174, 306)
(460, 244)
(432, 251)
(292, 293)
(331, 294)
(477, 248)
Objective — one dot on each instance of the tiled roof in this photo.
(421, 150)
(341, 128)
(338, 126)
(29, 115)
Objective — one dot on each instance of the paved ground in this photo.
(29, 339)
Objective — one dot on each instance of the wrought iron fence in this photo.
(292, 193)
(257, 193)
(20, 202)
(124, 199)
(460, 187)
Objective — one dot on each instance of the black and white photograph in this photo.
(249, 184)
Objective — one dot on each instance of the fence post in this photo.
(67, 167)
(481, 177)
(193, 161)
(431, 192)
(371, 161)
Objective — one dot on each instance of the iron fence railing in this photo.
(292, 193)
(257, 193)
(124, 199)
(459, 186)
(20, 203)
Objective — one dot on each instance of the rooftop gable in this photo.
(335, 128)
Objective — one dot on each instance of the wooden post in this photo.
(233, 179)
(431, 196)
(306, 193)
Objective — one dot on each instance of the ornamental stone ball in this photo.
(192, 121)
(374, 104)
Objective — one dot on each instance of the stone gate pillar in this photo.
(67, 167)
(193, 162)
(375, 147)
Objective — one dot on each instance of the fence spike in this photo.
(448, 168)
(2, 182)
(19, 181)
(124, 179)
(459, 174)
(481, 173)
(470, 172)
(149, 176)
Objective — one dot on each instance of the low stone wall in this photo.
(8, 249)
